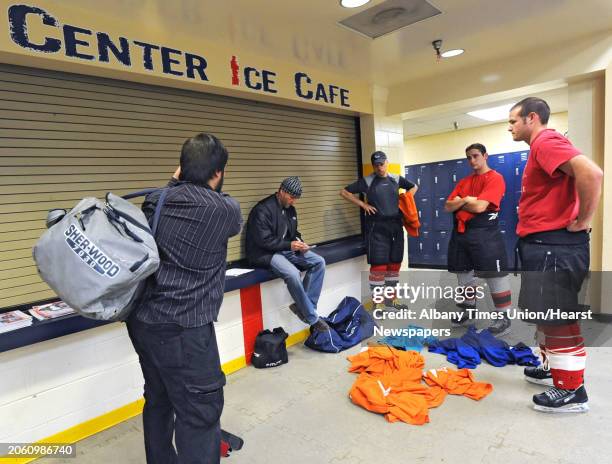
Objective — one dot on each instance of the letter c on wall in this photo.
(19, 28)
(298, 85)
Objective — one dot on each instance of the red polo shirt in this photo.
(489, 186)
(549, 200)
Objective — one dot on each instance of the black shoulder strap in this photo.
(158, 208)
(140, 193)
(160, 203)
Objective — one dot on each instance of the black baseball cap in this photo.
(378, 157)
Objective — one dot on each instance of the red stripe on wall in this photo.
(252, 317)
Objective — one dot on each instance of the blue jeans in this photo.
(287, 265)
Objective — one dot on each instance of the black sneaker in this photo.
(319, 326)
(294, 309)
(463, 317)
(539, 375)
(233, 442)
(395, 304)
(556, 400)
(500, 327)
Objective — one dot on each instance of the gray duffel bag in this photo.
(98, 255)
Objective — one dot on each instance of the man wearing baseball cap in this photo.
(384, 229)
(273, 242)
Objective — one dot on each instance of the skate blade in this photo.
(502, 333)
(545, 382)
(460, 324)
(581, 407)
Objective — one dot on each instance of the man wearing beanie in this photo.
(384, 228)
(273, 242)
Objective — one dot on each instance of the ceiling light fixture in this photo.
(496, 113)
(437, 45)
(451, 53)
(353, 3)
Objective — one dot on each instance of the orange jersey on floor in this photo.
(399, 399)
(458, 382)
(390, 383)
(384, 360)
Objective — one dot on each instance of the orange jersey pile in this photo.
(389, 383)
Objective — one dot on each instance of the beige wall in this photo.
(529, 68)
(382, 132)
(607, 167)
(144, 22)
(587, 129)
(448, 145)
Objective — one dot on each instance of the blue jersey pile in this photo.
(469, 350)
(406, 343)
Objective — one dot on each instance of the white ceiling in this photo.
(308, 33)
(443, 122)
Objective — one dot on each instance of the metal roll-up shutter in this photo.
(66, 136)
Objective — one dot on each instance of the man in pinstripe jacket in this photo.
(172, 329)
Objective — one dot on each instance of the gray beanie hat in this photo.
(292, 185)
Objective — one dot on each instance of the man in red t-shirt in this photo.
(560, 193)
(476, 247)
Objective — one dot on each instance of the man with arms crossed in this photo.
(476, 247)
(560, 193)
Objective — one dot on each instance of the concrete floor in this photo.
(300, 413)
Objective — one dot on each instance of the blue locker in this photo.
(441, 220)
(423, 179)
(511, 225)
(459, 169)
(410, 173)
(495, 160)
(426, 245)
(421, 249)
(515, 204)
(425, 209)
(504, 164)
(442, 179)
(508, 213)
(520, 160)
(439, 201)
(440, 247)
(414, 250)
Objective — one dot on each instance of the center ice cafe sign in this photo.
(86, 45)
